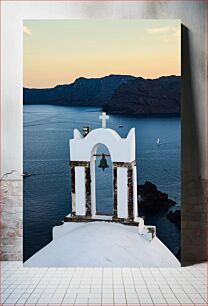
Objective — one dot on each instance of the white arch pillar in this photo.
(122, 193)
(93, 187)
(80, 197)
(135, 201)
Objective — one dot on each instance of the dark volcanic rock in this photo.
(147, 97)
(83, 92)
(116, 94)
(151, 198)
(175, 217)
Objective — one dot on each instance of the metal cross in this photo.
(104, 117)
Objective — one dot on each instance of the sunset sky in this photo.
(59, 51)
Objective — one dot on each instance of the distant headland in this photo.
(116, 94)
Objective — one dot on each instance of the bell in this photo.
(103, 163)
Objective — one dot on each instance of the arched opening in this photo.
(102, 183)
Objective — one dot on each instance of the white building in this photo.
(116, 243)
(124, 175)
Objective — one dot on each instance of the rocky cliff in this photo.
(116, 94)
(83, 92)
(147, 97)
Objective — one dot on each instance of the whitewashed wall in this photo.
(122, 192)
(121, 149)
(194, 108)
(135, 201)
(80, 196)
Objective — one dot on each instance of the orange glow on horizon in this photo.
(60, 51)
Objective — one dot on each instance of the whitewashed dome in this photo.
(101, 244)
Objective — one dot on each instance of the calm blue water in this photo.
(47, 199)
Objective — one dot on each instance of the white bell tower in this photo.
(82, 163)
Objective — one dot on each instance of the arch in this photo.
(99, 178)
(93, 177)
(122, 151)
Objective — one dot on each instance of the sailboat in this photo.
(158, 141)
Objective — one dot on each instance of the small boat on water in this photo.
(26, 174)
(158, 141)
(120, 126)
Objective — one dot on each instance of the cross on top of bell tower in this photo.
(104, 117)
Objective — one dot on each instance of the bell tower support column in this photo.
(73, 189)
(81, 188)
(125, 190)
(88, 191)
(115, 195)
(130, 194)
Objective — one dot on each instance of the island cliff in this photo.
(116, 94)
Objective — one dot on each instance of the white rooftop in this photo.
(101, 244)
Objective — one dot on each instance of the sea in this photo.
(47, 195)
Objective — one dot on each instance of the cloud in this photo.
(27, 31)
(165, 34)
(167, 29)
